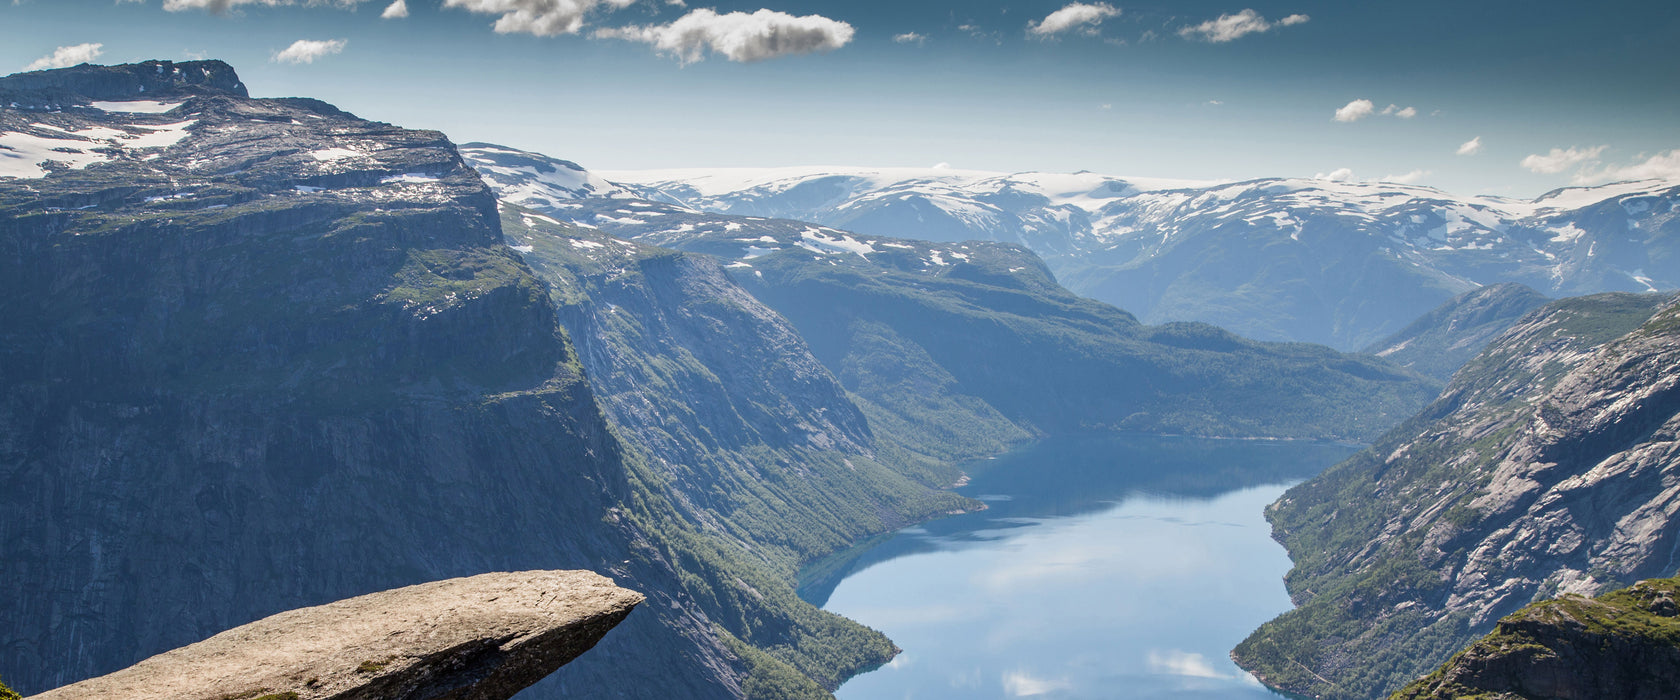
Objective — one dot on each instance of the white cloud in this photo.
(1401, 112)
(220, 6)
(538, 17)
(1471, 147)
(739, 36)
(1561, 159)
(1073, 15)
(1410, 178)
(66, 56)
(396, 10)
(910, 38)
(1233, 27)
(1355, 111)
(1337, 175)
(1662, 166)
(1019, 684)
(1181, 663)
(307, 50)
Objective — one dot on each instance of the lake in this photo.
(1115, 567)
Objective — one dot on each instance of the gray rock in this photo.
(484, 637)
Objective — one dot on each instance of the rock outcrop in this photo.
(1624, 644)
(1550, 465)
(484, 637)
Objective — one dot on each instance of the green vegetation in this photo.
(1372, 536)
(6, 693)
(1568, 636)
(372, 666)
(288, 695)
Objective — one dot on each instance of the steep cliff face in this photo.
(262, 354)
(1624, 644)
(1550, 465)
(754, 437)
(1441, 341)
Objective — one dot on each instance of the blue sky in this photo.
(1557, 93)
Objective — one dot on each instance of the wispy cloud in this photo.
(1078, 15)
(1471, 147)
(1410, 178)
(1398, 111)
(910, 38)
(220, 6)
(538, 17)
(1663, 166)
(738, 36)
(1337, 175)
(307, 50)
(1561, 159)
(1233, 27)
(1355, 111)
(396, 10)
(1362, 108)
(66, 56)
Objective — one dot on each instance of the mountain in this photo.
(1338, 263)
(1546, 467)
(1623, 644)
(962, 348)
(261, 354)
(1441, 341)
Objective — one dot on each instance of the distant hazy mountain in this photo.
(1281, 259)
(1444, 339)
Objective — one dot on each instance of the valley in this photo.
(259, 354)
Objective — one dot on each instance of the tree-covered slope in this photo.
(1441, 341)
(1548, 466)
(1622, 644)
(754, 438)
(921, 330)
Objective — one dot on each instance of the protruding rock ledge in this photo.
(484, 637)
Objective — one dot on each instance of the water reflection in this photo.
(1113, 567)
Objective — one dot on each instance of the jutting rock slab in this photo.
(483, 637)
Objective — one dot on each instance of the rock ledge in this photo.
(484, 637)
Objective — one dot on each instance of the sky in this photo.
(1478, 97)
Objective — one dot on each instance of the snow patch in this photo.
(137, 106)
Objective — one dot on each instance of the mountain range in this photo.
(1339, 263)
(261, 354)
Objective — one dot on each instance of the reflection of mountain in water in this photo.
(1066, 477)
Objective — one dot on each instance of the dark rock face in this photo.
(1624, 644)
(261, 354)
(1441, 341)
(484, 637)
(135, 81)
(1550, 465)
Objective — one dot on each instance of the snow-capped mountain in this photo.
(1280, 259)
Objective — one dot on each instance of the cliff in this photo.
(481, 638)
(1548, 466)
(1623, 644)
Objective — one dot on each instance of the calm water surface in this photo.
(1104, 568)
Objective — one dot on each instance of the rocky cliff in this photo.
(261, 354)
(485, 637)
(1549, 465)
(1623, 644)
